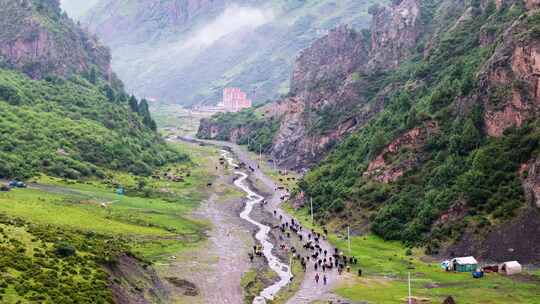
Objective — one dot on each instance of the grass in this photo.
(385, 266)
(177, 120)
(157, 225)
(46, 208)
(253, 282)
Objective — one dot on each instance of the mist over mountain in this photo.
(77, 8)
(187, 51)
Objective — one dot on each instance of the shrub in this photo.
(64, 250)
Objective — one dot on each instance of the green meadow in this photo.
(152, 212)
(386, 265)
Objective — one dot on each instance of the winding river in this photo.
(274, 263)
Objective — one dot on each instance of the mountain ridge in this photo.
(237, 58)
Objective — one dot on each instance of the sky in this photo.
(76, 8)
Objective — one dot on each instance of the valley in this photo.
(391, 153)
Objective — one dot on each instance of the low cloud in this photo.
(235, 18)
(77, 8)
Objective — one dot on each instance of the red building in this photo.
(234, 100)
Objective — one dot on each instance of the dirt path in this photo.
(310, 291)
(216, 268)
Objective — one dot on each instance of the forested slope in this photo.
(74, 118)
(452, 150)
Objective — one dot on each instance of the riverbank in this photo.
(308, 291)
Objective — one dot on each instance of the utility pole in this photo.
(349, 237)
(311, 202)
(410, 297)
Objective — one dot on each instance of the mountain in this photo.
(186, 51)
(424, 129)
(63, 112)
(38, 39)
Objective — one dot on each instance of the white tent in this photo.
(510, 267)
(465, 260)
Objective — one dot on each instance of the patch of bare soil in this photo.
(526, 278)
(134, 282)
(517, 239)
(215, 268)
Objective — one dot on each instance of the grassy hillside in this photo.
(60, 244)
(72, 127)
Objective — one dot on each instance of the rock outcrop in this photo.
(532, 4)
(401, 155)
(325, 79)
(329, 61)
(394, 33)
(38, 39)
(510, 82)
(329, 83)
(530, 173)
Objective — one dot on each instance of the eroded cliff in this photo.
(39, 39)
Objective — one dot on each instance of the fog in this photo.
(77, 8)
(235, 18)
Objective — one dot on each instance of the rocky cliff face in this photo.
(39, 40)
(329, 61)
(530, 174)
(510, 81)
(330, 83)
(323, 81)
(394, 33)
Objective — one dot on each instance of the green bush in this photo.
(64, 250)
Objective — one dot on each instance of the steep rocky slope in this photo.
(37, 38)
(187, 51)
(331, 93)
(437, 145)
